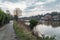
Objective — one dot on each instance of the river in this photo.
(49, 28)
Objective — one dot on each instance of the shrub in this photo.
(4, 18)
(33, 23)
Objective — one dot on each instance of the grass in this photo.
(48, 38)
(21, 34)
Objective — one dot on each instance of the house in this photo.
(42, 18)
(56, 18)
(47, 17)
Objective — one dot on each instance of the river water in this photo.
(49, 28)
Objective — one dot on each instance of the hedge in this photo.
(4, 18)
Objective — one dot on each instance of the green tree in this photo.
(33, 23)
(54, 13)
(4, 18)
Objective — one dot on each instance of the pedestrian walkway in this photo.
(8, 32)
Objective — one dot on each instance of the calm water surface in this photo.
(49, 28)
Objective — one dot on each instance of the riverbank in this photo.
(22, 33)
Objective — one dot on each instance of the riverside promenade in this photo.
(7, 32)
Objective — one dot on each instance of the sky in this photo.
(31, 7)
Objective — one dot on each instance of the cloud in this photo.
(38, 3)
(43, 6)
(32, 7)
(11, 6)
(10, 1)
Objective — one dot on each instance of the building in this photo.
(56, 18)
(47, 16)
(7, 11)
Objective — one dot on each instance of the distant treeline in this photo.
(38, 17)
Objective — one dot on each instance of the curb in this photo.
(2, 28)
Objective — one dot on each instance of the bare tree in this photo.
(17, 13)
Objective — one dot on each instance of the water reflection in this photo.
(49, 28)
(52, 23)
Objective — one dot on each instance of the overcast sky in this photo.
(31, 7)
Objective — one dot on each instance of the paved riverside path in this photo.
(7, 33)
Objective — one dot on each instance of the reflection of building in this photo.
(51, 23)
(18, 12)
